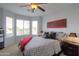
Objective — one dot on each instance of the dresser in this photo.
(70, 46)
(1, 38)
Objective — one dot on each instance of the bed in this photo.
(39, 46)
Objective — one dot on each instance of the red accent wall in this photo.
(60, 23)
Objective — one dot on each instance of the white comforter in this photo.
(42, 47)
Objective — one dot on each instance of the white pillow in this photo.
(60, 35)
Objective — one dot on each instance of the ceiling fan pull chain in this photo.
(33, 9)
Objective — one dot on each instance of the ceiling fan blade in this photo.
(24, 5)
(41, 8)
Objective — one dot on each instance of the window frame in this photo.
(37, 27)
(9, 34)
(29, 27)
(16, 27)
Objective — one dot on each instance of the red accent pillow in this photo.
(24, 42)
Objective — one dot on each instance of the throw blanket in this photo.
(24, 42)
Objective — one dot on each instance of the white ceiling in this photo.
(49, 7)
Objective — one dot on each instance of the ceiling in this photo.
(49, 7)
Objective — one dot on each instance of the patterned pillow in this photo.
(46, 35)
(53, 35)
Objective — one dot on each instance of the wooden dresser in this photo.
(70, 46)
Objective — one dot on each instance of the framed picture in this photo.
(60, 23)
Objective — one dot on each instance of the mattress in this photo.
(39, 46)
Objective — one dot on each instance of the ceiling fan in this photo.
(34, 6)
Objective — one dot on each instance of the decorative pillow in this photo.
(24, 42)
(46, 35)
(53, 35)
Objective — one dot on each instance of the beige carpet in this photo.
(12, 50)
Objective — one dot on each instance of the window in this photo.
(19, 27)
(26, 27)
(34, 27)
(23, 27)
(9, 27)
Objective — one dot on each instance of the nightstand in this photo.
(70, 47)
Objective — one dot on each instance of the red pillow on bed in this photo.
(24, 42)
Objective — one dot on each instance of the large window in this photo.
(34, 27)
(26, 27)
(9, 26)
(19, 27)
(23, 27)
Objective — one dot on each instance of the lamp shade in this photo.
(72, 35)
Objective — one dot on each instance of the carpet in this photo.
(12, 50)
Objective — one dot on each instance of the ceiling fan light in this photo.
(34, 6)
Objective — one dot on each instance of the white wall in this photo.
(69, 12)
(8, 40)
(14, 39)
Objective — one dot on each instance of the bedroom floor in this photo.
(10, 51)
(14, 51)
